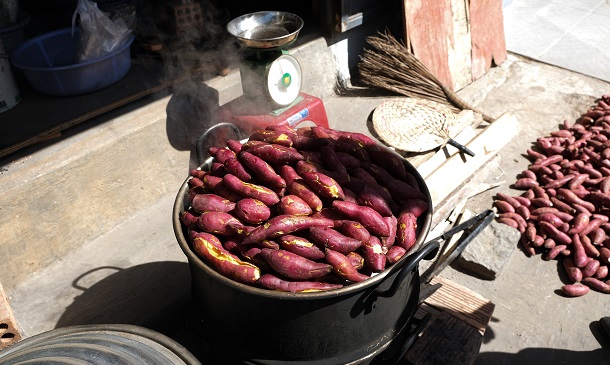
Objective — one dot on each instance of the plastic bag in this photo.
(99, 35)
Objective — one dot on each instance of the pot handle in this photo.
(202, 152)
(425, 253)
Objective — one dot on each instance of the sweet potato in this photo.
(289, 174)
(551, 230)
(217, 185)
(272, 282)
(218, 223)
(211, 251)
(211, 203)
(581, 220)
(366, 216)
(324, 185)
(283, 128)
(303, 191)
(370, 198)
(504, 207)
(554, 252)
(342, 266)
(575, 290)
(334, 240)
(570, 197)
(399, 189)
(394, 254)
(262, 170)
(301, 246)
(597, 284)
(235, 167)
(271, 136)
(362, 174)
(275, 154)
(248, 190)
(580, 256)
(354, 230)
(308, 143)
(509, 222)
(574, 273)
(389, 161)
(189, 218)
(293, 205)
(313, 158)
(330, 159)
(221, 154)
(294, 266)
(392, 223)
(590, 268)
(406, 231)
(234, 145)
(602, 272)
(355, 259)
(348, 161)
(372, 251)
(252, 211)
(285, 224)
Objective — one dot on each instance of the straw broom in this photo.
(390, 65)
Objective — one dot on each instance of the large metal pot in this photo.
(265, 29)
(366, 322)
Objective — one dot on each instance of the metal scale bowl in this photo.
(271, 78)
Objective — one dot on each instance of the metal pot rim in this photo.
(423, 226)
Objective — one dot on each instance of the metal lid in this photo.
(98, 345)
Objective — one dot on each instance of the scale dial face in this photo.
(283, 80)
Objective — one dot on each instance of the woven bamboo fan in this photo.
(416, 125)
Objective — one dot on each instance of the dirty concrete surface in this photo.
(531, 322)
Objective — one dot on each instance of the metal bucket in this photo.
(98, 345)
(9, 92)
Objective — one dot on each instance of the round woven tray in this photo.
(413, 125)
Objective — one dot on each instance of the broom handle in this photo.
(457, 101)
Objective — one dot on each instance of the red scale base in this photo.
(250, 114)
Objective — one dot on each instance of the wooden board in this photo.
(460, 168)
(487, 33)
(428, 30)
(459, 317)
(457, 40)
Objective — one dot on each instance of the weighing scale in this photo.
(271, 78)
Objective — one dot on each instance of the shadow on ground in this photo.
(154, 295)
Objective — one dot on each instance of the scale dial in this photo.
(283, 80)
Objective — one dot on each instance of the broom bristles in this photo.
(390, 65)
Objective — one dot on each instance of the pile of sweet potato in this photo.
(564, 212)
(302, 210)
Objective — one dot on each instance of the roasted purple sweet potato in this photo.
(211, 251)
(211, 203)
(372, 251)
(293, 205)
(343, 267)
(334, 240)
(284, 224)
(324, 185)
(366, 216)
(262, 170)
(406, 230)
(354, 230)
(275, 154)
(294, 266)
(303, 191)
(254, 191)
(218, 223)
(272, 282)
(370, 198)
(252, 211)
(301, 246)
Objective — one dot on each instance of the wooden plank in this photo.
(445, 340)
(461, 302)
(428, 31)
(459, 57)
(487, 34)
(485, 146)
(10, 331)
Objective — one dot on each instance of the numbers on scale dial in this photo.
(284, 80)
